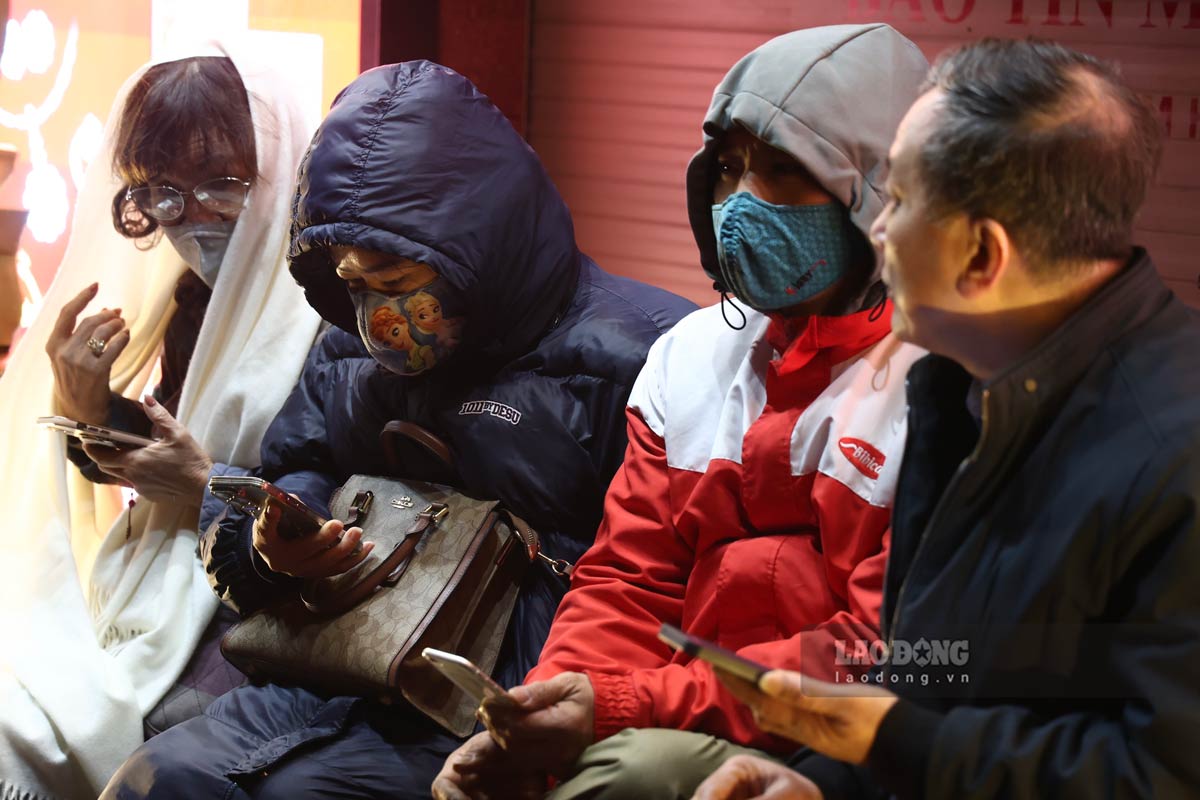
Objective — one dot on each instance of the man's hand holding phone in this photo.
(839, 720)
(330, 551)
(836, 719)
(542, 728)
(549, 723)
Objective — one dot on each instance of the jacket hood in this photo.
(832, 98)
(414, 161)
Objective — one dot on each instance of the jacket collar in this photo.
(1055, 365)
(1126, 302)
(839, 337)
(1017, 402)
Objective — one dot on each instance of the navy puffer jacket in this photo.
(414, 161)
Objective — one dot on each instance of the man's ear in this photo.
(989, 257)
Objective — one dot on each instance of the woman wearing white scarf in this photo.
(101, 608)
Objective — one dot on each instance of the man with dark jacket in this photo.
(428, 233)
(1041, 606)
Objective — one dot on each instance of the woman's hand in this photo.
(330, 551)
(173, 469)
(81, 374)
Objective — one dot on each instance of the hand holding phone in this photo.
(254, 496)
(560, 710)
(291, 538)
(721, 659)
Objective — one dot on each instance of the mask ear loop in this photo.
(877, 311)
(720, 287)
(725, 299)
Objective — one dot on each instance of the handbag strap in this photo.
(409, 430)
(533, 547)
(527, 534)
(387, 573)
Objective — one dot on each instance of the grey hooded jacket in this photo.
(803, 93)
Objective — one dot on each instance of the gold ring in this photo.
(97, 346)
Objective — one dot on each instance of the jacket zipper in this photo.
(937, 515)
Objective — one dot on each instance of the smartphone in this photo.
(478, 685)
(725, 660)
(253, 495)
(95, 434)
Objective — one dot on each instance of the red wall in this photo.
(485, 40)
(619, 87)
(488, 42)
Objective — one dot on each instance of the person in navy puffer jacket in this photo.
(426, 231)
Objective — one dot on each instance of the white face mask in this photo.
(202, 245)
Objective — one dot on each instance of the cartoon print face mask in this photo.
(409, 333)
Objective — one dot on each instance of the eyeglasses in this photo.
(224, 196)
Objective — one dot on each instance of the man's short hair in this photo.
(1047, 141)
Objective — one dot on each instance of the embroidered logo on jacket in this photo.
(865, 458)
(506, 413)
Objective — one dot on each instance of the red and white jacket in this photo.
(751, 510)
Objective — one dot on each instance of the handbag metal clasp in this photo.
(360, 507)
(560, 567)
(437, 512)
(363, 501)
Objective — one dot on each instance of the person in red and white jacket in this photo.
(753, 505)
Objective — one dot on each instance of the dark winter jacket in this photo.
(413, 161)
(1060, 541)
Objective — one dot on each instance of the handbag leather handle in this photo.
(416, 433)
(386, 573)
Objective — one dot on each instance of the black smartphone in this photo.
(95, 434)
(254, 495)
(724, 660)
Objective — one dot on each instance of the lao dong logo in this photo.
(922, 653)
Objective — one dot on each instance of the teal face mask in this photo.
(773, 257)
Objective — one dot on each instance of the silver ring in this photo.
(97, 346)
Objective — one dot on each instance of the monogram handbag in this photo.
(444, 573)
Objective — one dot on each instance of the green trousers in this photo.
(647, 764)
